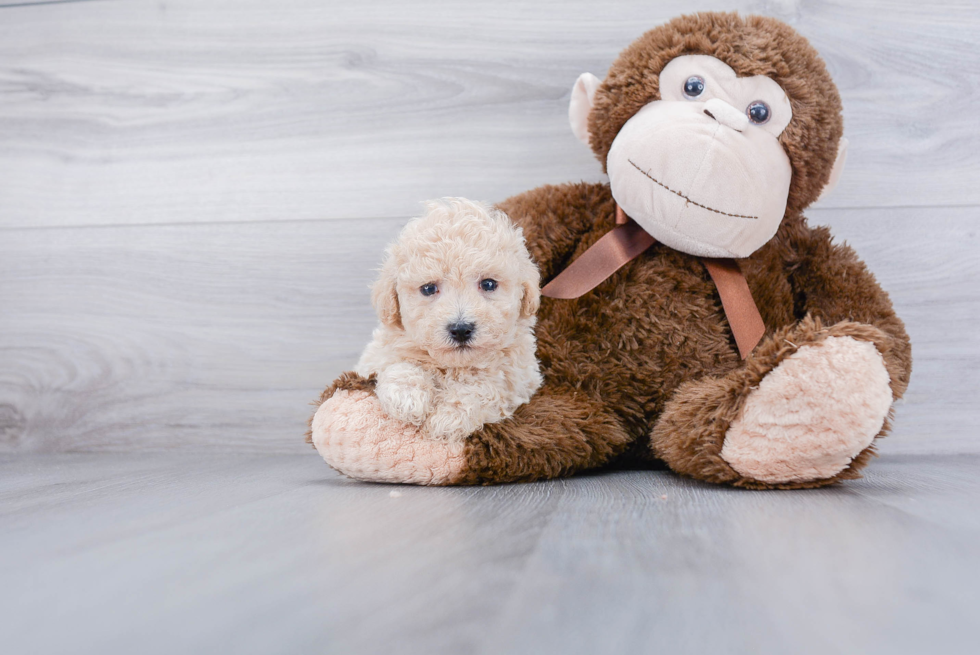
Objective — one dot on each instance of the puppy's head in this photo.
(459, 281)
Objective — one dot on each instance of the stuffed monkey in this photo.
(716, 132)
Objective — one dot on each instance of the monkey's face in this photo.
(705, 160)
(702, 169)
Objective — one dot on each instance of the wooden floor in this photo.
(122, 553)
(193, 197)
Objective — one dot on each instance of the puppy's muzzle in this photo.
(461, 332)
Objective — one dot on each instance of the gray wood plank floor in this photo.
(256, 554)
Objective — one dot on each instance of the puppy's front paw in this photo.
(450, 423)
(405, 393)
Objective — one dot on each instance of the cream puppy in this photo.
(457, 298)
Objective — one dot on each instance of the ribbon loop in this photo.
(627, 241)
(614, 250)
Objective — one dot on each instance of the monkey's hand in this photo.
(405, 393)
(356, 436)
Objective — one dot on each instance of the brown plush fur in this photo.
(563, 431)
(646, 364)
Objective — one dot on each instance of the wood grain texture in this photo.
(217, 336)
(164, 553)
(188, 111)
(174, 335)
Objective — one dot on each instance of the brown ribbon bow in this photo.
(624, 243)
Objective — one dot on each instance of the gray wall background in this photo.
(193, 194)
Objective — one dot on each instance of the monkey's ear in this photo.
(836, 170)
(384, 297)
(581, 105)
(531, 300)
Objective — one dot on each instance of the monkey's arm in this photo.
(834, 285)
(558, 432)
(554, 218)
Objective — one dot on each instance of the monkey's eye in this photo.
(488, 284)
(758, 112)
(429, 289)
(694, 86)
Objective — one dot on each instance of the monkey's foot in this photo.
(812, 414)
(354, 435)
(802, 411)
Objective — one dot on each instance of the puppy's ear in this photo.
(531, 300)
(384, 297)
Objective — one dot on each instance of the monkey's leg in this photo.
(557, 433)
(802, 412)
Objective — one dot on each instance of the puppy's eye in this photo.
(428, 289)
(694, 86)
(488, 284)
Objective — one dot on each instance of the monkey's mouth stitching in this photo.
(678, 193)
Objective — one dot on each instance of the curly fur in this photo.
(425, 378)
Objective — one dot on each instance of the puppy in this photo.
(456, 298)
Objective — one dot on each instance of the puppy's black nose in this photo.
(461, 331)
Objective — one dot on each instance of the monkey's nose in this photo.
(725, 114)
(461, 331)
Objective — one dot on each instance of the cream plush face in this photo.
(460, 282)
(697, 169)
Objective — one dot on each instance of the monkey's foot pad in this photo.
(812, 414)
